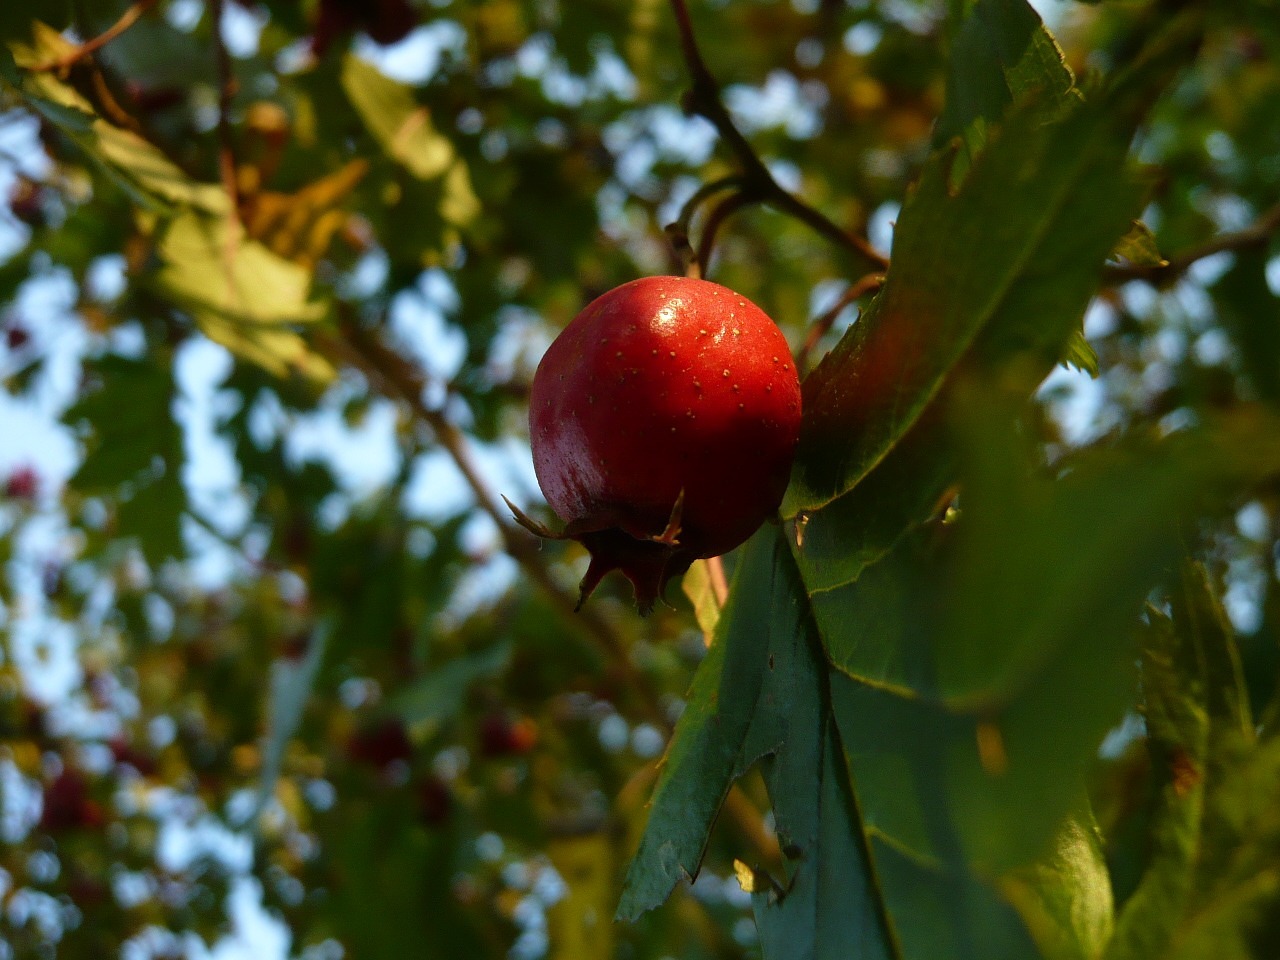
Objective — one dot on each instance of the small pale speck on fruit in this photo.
(726, 374)
(768, 388)
(672, 354)
(737, 332)
(736, 388)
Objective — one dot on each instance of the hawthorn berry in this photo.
(16, 336)
(381, 744)
(663, 420)
(22, 484)
(67, 804)
(386, 21)
(502, 736)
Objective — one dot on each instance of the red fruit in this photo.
(386, 21)
(16, 336)
(22, 484)
(26, 202)
(503, 737)
(435, 801)
(663, 420)
(67, 804)
(381, 744)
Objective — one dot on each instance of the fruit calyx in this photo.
(649, 562)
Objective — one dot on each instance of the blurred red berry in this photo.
(22, 484)
(381, 744)
(435, 801)
(154, 99)
(386, 21)
(26, 201)
(128, 755)
(500, 736)
(67, 804)
(16, 336)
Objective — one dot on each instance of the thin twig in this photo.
(719, 583)
(715, 219)
(703, 99)
(226, 91)
(127, 19)
(820, 326)
(678, 232)
(1255, 235)
(226, 147)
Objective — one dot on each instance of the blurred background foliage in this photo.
(279, 678)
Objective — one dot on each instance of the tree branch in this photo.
(703, 99)
(398, 379)
(226, 91)
(127, 19)
(721, 212)
(1255, 235)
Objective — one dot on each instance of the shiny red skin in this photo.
(663, 385)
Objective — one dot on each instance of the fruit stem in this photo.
(703, 99)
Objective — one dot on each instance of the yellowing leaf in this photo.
(403, 128)
(398, 122)
(241, 294)
(1138, 247)
(138, 166)
(580, 923)
(299, 226)
(697, 587)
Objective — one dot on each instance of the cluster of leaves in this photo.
(385, 722)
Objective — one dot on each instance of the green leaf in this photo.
(1251, 313)
(240, 294)
(405, 132)
(829, 906)
(150, 178)
(134, 452)
(1001, 644)
(441, 693)
(1211, 881)
(1011, 259)
(291, 684)
(1138, 247)
(896, 753)
(1000, 54)
(1080, 354)
(703, 757)
(1066, 899)
(397, 121)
